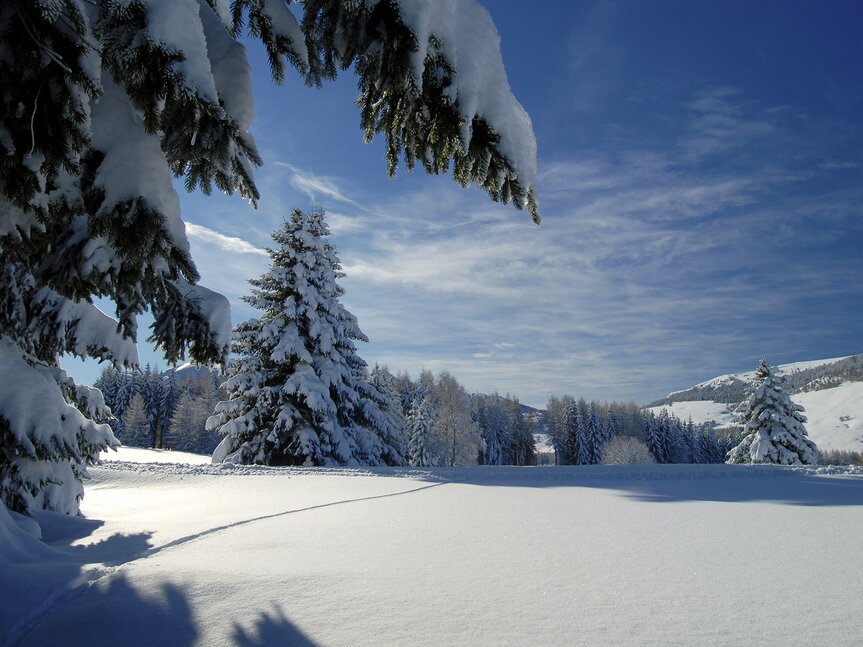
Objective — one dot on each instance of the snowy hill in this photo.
(239, 555)
(831, 390)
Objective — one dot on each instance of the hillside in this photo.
(831, 390)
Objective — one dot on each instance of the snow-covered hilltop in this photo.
(831, 391)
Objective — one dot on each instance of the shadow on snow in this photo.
(811, 486)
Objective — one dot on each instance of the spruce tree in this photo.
(655, 438)
(582, 446)
(421, 443)
(522, 449)
(774, 428)
(571, 439)
(297, 389)
(594, 433)
(495, 429)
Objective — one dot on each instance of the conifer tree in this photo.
(583, 454)
(654, 438)
(421, 445)
(594, 430)
(495, 429)
(383, 407)
(522, 450)
(610, 430)
(298, 391)
(774, 428)
(572, 438)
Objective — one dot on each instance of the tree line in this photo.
(589, 433)
(156, 409)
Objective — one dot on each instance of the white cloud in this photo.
(316, 186)
(227, 243)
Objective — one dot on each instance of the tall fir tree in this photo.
(104, 102)
(297, 389)
(522, 448)
(421, 442)
(655, 438)
(583, 454)
(495, 429)
(774, 428)
(571, 439)
(594, 434)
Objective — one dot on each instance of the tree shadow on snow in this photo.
(675, 483)
(57, 573)
(60, 531)
(271, 629)
(111, 612)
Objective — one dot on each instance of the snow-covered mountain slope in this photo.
(217, 555)
(782, 369)
(829, 390)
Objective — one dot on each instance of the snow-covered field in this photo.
(632, 555)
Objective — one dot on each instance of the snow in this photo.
(625, 555)
(162, 456)
(472, 44)
(214, 308)
(700, 411)
(835, 416)
(134, 166)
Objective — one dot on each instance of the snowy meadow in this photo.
(199, 554)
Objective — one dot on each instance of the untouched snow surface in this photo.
(632, 555)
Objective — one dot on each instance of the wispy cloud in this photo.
(316, 186)
(227, 243)
(723, 120)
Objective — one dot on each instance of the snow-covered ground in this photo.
(626, 555)
(138, 455)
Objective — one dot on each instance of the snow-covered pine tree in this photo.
(571, 437)
(594, 434)
(655, 438)
(553, 419)
(151, 392)
(774, 428)
(522, 448)
(170, 396)
(103, 102)
(495, 429)
(611, 425)
(422, 446)
(382, 406)
(582, 447)
(298, 392)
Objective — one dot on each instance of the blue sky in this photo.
(700, 182)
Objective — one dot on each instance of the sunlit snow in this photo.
(628, 555)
